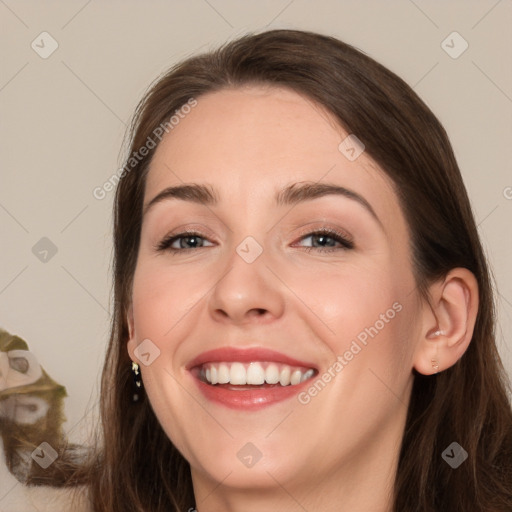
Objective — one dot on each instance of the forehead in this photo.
(253, 140)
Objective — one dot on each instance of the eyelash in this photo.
(343, 239)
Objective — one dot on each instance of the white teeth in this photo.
(223, 374)
(272, 374)
(237, 374)
(213, 375)
(307, 375)
(295, 378)
(255, 373)
(284, 378)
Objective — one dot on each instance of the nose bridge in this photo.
(248, 288)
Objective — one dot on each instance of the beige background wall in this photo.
(63, 118)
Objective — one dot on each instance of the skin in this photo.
(339, 451)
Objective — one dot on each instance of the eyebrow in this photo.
(288, 196)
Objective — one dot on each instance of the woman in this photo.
(300, 295)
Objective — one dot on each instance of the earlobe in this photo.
(448, 322)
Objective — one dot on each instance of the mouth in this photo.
(250, 378)
(238, 375)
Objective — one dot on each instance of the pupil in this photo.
(193, 238)
(324, 237)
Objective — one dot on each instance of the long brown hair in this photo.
(138, 468)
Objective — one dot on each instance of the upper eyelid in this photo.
(307, 230)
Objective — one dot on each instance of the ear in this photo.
(448, 321)
(131, 345)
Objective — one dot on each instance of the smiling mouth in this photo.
(236, 375)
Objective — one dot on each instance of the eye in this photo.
(178, 242)
(190, 240)
(327, 240)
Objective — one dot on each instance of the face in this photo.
(277, 324)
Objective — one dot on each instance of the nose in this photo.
(247, 293)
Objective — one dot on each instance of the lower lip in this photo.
(252, 399)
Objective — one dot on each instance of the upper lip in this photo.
(231, 354)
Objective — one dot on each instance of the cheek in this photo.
(162, 297)
(350, 302)
(161, 300)
(367, 316)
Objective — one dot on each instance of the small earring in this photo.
(137, 381)
(435, 365)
